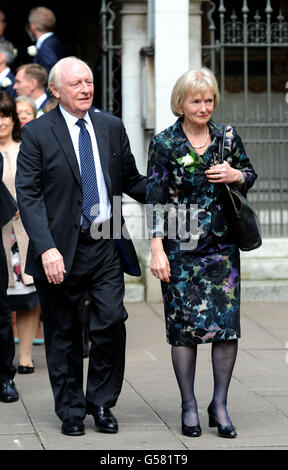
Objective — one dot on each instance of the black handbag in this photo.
(244, 220)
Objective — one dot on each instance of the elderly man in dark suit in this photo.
(73, 165)
(49, 48)
(8, 392)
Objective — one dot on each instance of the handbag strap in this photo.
(222, 144)
(221, 154)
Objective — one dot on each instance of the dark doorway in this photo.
(77, 26)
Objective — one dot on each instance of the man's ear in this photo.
(34, 83)
(54, 90)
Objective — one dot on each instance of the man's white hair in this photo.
(55, 75)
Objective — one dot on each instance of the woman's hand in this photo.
(223, 173)
(159, 264)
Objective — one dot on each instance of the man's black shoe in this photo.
(8, 392)
(104, 420)
(73, 426)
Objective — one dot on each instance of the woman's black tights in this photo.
(184, 362)
(223, 359)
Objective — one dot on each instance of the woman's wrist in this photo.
(240, 178)
(156, 245)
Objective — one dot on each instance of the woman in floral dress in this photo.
(198, 265)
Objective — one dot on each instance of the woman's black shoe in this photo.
(25, 369)
(223, 431)
(191, 431)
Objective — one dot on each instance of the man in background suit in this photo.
(31, 80)
(64, 206)
(8, 392)
(49, 48)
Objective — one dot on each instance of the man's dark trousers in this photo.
(96, 269)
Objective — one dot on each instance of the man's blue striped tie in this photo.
(88, 176)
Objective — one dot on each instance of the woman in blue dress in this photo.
(198, 265)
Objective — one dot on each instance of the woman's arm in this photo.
(159, 264)
(156, 197)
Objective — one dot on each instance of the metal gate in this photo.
(247, 50)
(110, 60)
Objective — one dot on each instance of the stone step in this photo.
(271, 247)
(264, 268)
(264, 291)
(264, 273)
(134, 292)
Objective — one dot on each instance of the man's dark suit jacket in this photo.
(8, 206)
(49, 190)
(50, 52)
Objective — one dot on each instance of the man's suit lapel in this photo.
(101, 133)
(62, 135)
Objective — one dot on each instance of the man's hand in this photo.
(53, 266)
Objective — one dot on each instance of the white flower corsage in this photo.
(6, 82)
(191, 161)
(188, 160)
(32, 50)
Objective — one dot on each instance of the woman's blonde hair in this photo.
(196, 81)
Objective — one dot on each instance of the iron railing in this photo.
(110, 60)
(248, 55)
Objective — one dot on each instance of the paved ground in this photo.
(148, 409)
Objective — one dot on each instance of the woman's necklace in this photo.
(202, 145)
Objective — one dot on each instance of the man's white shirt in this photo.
(74, 130)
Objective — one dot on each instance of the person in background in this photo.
(49, 48)
(22, 295)
(24, 43)
(51, 104)
(26, 109)
(199, 269)
(3, 25)
(31, 81)
(7, 77)
(8, 391)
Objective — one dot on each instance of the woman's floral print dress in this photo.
(202, 300)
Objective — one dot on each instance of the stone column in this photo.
(195, 36)
(133, 39)
(171, 54)
(134, 33)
